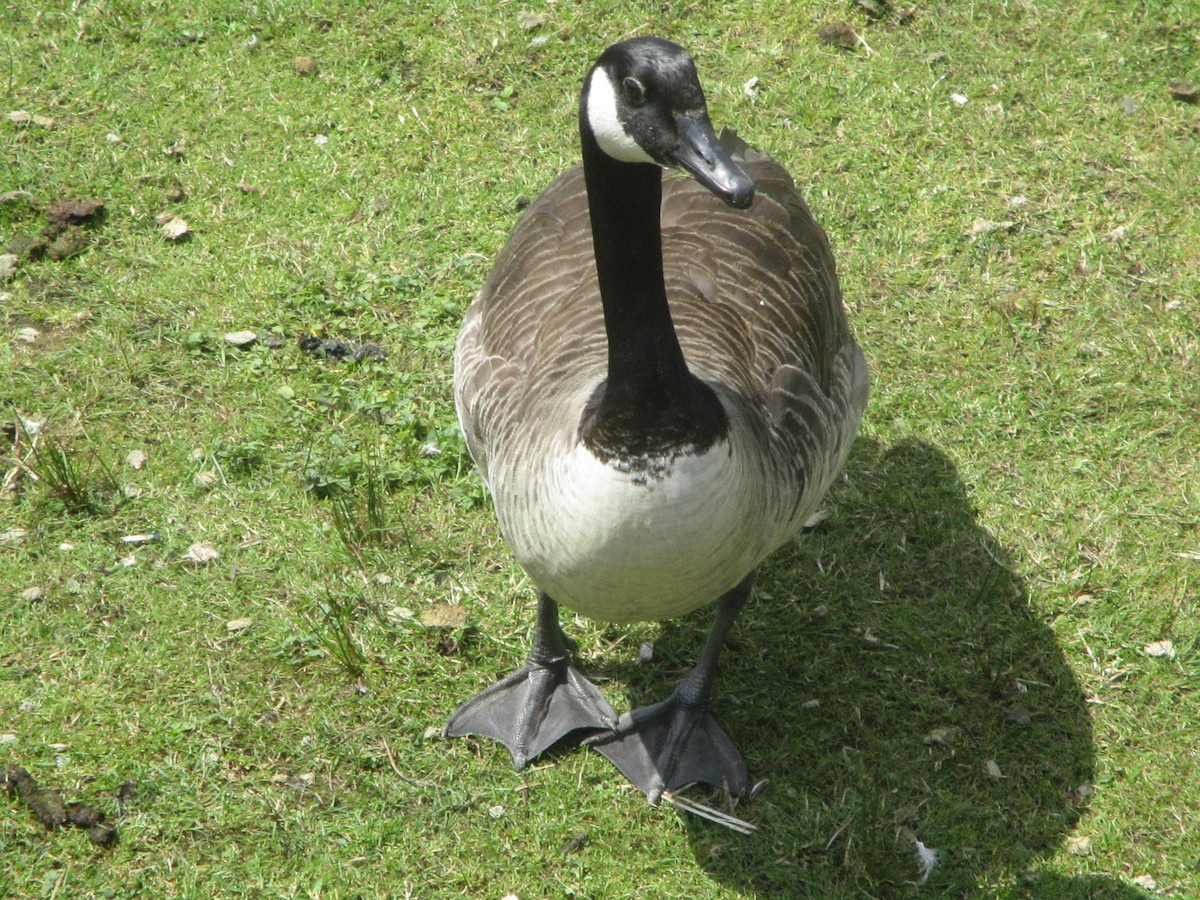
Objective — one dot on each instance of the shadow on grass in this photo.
(891, 683)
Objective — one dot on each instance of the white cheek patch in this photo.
(606, 124)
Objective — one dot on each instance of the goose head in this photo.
(642, 103)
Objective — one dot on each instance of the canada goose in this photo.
(644, 455)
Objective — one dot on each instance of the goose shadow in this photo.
(891, 684)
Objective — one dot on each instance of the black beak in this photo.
(701, 155)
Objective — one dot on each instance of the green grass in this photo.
(1013, 528)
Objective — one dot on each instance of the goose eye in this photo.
(635, 91)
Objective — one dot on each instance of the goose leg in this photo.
(543, 701)
(674, 743)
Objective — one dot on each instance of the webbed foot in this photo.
(672, 744)
(539, 704)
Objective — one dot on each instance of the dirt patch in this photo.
(69, 230)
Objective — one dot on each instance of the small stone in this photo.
(200, 554)
(937, 56)
(135, 459)
(944, 735)
(645, 653)
(8, 266)
(528, 21)
(444, 615)
(1185, 91)
(238, 624)
(174, 228)
(28, 335)
(306, 65)
(981, 227)
(1160, 649)
(241, 338)
(1079, 845)
(875, 9)
(33, 594)
(206, 479)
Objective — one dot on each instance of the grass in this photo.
(962, 642)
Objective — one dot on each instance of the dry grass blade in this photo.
(696, 808)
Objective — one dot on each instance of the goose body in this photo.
(657, 381)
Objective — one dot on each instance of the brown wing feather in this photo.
(755, 300)
(537, 312)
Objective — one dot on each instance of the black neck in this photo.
(644, 358)
(651, 403)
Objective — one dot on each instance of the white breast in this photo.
(634, 545)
